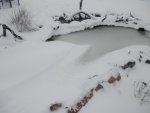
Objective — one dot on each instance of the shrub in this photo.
(22, 20)
(142, 91)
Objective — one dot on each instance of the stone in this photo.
(129, 64)
(147, 61)
(141, 29)
(118, 78)
(98, 87)
(55, 106)
(111, 80)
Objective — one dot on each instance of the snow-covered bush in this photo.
(22, 20)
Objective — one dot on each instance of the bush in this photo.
(22, 20)
(142, 91)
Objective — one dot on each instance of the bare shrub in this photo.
(22, 20)
(142, 91)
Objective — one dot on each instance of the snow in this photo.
(34, 88)
(35, 74)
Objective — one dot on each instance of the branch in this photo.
(81, 4)
(6, 28)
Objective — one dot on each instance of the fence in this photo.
(9, 3)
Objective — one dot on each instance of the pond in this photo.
(102, 40)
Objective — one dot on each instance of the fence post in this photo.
(18, 2)
(10, 3)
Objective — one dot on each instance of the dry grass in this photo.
(22, 20)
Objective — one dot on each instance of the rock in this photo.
(97, 15)
(55, 106)
(141, 29)
(135, 23)
(111, 80)
(147, 61)
(90, 96)
(84, 101)
(118, 78)
(50, 39)
(62, 19)
(129, 64)
(71, 111)
(98, 87)
(79, 105)
(40, 26)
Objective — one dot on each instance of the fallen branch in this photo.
(6, 28)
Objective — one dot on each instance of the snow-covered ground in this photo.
(35, 74)
(32, 78)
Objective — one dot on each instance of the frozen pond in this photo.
(106, 39)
